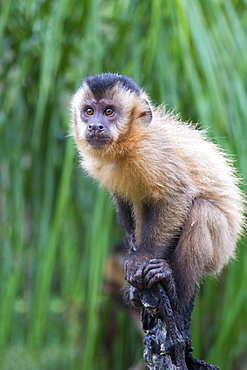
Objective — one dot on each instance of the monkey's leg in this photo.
(203, 247)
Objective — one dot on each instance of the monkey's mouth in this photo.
(97, 141)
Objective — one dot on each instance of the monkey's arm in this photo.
(125, 220)
(155, 269)
(149, 263)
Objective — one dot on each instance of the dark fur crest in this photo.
(100, 83)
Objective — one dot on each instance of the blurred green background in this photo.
(57, 227)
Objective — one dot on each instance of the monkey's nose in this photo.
(96, 127)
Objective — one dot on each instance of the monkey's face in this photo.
(99, 120)
(104, 109)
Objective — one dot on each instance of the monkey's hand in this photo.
(133, 270)
(143, 273)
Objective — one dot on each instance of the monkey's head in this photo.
(105, 107)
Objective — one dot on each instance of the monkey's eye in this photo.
(89, 111)
(109, 112)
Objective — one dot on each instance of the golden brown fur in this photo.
(170, 165)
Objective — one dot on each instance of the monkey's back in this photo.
(185, 149)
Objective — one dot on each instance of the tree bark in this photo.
(167, 344)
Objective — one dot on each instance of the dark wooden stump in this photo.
(167, 342)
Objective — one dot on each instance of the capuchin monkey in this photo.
(175, 192)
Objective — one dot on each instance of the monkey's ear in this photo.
(147, 114)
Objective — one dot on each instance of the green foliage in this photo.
(56, 225)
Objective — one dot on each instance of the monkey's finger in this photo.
(138, 284)
(152, 273)
(155, 264)
(154, 277)
(130, 273)
(157, 260)
(135, 278)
